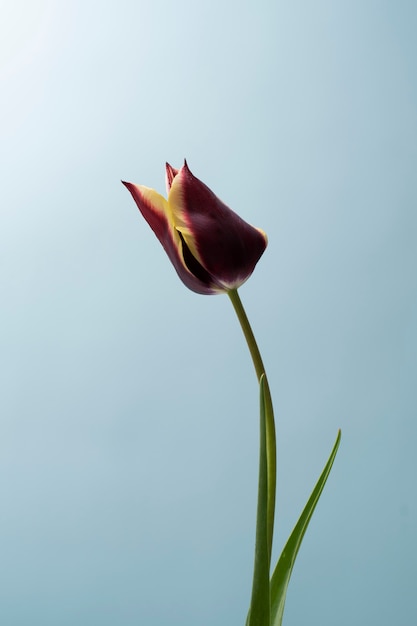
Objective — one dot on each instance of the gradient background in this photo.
(128, 405)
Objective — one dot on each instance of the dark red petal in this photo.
(151, 205)
(227, 246)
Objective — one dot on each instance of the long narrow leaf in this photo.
(259, 612)
(271, 459)
(282, 574)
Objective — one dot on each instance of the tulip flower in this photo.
(212, 249)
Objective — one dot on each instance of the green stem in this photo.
(269, 412)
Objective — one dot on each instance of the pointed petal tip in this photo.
(170, 174)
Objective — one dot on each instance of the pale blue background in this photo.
(128, 406)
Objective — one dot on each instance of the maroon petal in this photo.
(157, 213)
(225, 245)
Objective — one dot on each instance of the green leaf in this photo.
(259, 610)
(282, 574)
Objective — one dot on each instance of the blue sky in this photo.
(128, 411)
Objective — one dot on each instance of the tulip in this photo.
(212, 249)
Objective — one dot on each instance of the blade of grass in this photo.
(282, 573)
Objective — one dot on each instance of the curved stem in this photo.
(269, 412)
